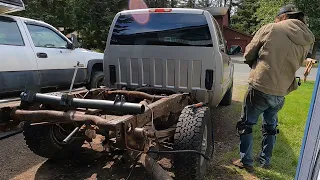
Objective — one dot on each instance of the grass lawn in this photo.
(292, 119)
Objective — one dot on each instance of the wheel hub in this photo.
(100, 82)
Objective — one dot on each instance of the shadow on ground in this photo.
(91, 164)
(16, 158)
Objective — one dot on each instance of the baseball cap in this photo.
(289, 9)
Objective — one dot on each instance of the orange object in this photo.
(309, 64)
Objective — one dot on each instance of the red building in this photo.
(232, 36)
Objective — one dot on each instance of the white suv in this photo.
(35, 53)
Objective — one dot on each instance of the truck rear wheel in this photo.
(96, 80)
(46, 140)
(193, 132)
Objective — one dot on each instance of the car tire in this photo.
(193, 132)
(44, 141)
(227, 99)
(96, 80)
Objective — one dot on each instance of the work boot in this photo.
(265, 166)
(240, 165)
(262, 165)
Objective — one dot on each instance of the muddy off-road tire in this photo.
(193, 132)
(46, 141)
(96, 80)
(227, 99)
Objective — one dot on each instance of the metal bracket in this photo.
(123, 99)
(119, 98)
(27, 96)
(66, 100)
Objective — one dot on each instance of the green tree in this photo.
(94, 20)
(91, 19)
(213, 3)
(173, 3)
(158, 3)
(204, 3)
(187, 3)
(58, 13)
(312, 10)
(245, 19)
(268, 10)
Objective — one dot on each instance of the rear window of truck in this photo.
(162, 29)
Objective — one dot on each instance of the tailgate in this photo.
(9, 6)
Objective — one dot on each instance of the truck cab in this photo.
(178, 49)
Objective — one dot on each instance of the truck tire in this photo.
(46, 141)
(227, 98)
(193, 132)
(96, 80)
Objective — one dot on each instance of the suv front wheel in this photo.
(96, 80)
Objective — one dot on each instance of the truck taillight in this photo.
(113, 74)
(209, 79)
(160, 10)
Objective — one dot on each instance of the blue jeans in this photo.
(255, 104)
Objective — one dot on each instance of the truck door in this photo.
(55, 61)
(18, 67)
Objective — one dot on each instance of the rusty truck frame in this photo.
(141, 121)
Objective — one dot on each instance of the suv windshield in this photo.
(165, 29)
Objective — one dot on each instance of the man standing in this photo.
(274, 55)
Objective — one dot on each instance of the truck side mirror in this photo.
(75, 41)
